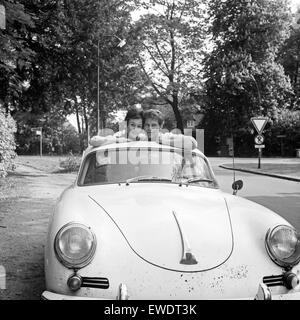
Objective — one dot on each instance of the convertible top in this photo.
(136, 144)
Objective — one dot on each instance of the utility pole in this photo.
(98, 98)
(41, 142)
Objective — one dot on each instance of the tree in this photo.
(289, 57)
(7, 142)
(171, 40)
(27, 58)
(287, 125)
(14, 53)
(89, 34)
(55, 70)
(243, 77)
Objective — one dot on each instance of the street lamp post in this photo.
(98, 97)
(121, 44)
(39, 132)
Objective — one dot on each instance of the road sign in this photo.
(259, 139)
(259, 123)
(259, 146)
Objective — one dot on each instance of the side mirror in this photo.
(237, 185)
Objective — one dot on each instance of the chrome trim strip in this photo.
(98, 283)
(187, 255)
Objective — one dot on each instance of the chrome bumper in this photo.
(122, 295)
(47, 295)
(264, 293)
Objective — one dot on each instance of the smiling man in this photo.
(153, 124)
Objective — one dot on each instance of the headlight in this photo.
(75, 245)
(283, 245)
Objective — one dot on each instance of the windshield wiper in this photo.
(198, 180)
(147, 178)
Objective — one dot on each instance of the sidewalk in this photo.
(285, 168)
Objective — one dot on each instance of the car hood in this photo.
(184, 229)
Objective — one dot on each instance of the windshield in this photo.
(145, 164)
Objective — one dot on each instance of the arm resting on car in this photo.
(178, 140)
(98, 141)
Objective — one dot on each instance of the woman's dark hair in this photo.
(153, 114)
(134, 113)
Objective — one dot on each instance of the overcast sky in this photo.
(295, 4)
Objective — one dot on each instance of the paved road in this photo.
(281, 196)
(24, 218)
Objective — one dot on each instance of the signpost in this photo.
(39, 132)
(259, 124)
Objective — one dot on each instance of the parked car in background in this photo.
(149, 221)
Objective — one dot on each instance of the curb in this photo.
(263, 173)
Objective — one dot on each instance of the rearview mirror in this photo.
(237, 185)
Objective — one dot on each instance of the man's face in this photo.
(152, 128)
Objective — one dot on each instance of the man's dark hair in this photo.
(153, 114)
(134, 113)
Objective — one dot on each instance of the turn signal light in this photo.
(74, 282)
(290, 280)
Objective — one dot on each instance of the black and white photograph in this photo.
(149, 151)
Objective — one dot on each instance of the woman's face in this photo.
(135, 124)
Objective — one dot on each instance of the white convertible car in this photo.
(148, 221)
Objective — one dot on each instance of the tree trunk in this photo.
(79, 127)
(103, 119)
(77, 118)
(87, 129)
(177, 113)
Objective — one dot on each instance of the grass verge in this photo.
(51, 164)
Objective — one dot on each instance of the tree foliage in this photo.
(171, 40)
(289, 57)
(287, 128)
(15, 54)
(51, 52)
(90, 33)
(244, 79)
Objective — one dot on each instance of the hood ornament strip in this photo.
(187, 255)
